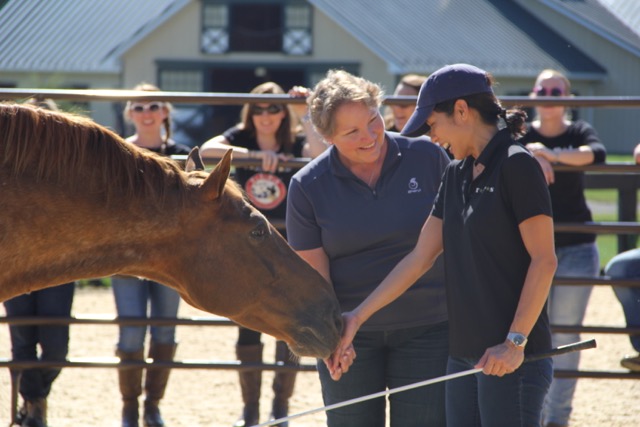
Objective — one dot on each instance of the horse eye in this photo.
(258, 232)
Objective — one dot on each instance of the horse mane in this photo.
(76, 152)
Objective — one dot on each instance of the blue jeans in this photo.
(514, 400)
(53, 340)
(134, 298)
(567, 306)
(390, 359)
(627, 266)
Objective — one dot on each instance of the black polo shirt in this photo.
(486, 261)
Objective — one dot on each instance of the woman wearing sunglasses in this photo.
(143, 298)
(269, 132)
(554, 138)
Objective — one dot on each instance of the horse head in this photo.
(245, 269)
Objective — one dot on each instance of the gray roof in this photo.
(78, 35)
(410, 35)
(615, 20)
(496, 35)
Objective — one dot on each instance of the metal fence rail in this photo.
(113, 362)
(625, 178)
(220, 98)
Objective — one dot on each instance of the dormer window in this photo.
(254, 26)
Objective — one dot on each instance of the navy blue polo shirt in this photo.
(486, 261)
(366, 232)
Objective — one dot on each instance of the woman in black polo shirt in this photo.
(492, 219)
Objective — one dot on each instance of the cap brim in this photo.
(417, 123)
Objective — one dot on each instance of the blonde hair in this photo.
(549, 73)
(336, 89)
(148, 87)
(39, 102)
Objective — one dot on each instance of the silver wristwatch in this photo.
(518, 339)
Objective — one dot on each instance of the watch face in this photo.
(518, 339)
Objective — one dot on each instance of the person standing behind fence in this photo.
(352, 213)
(554, 139)
(398, 115)
(35, 384)
(626, 266)
(268, 132)
(142, 298)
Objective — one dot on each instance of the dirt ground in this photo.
(90, 397)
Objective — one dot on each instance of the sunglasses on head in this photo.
(270, 109)
(552, 91)
(152, 106)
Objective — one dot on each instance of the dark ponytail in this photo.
(490, 110)
(515, 119)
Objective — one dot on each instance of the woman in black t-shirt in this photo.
(553, 138)
(269, 132)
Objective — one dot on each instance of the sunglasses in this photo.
(256, 110)
(543, 91)
(152, 106)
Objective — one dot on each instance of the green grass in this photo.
(607, 243)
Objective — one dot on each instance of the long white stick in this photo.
(582, 345)
(371, 396)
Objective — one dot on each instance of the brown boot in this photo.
(250, 382)
(36, 415)
(156, 383)
(130, 380)
(283, 383)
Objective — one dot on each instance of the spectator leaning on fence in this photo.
(492, 220)
(35, 384)
(271, 133)
(142, 298)
(344, 218)
(627, 266)
(398, 115)
(554, 139)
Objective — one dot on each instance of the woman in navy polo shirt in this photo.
(353, 213)
(492, 219)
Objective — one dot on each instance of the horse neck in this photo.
(49, 237)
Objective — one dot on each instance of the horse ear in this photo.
(194, 161)
(213, 186)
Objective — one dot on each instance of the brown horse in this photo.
(76, 201)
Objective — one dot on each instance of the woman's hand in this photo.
(299, 108)
(270, 159)
(540, 150)
(342, 358)
(547, 169)
(501, 359)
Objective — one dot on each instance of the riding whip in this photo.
(569, 348)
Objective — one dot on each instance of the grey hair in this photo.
(336, 89)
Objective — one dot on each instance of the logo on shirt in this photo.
(265, 191)
(485, 189)
(414, 187)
